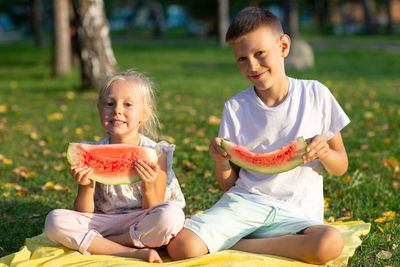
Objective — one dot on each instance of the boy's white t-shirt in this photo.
(308, 110)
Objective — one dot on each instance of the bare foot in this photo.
(147, 254)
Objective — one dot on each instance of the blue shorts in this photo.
(234, 217)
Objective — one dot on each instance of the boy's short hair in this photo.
(249, 19)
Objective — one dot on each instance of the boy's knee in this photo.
(329, 246)
(186, 245)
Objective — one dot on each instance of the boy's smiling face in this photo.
(260, 56)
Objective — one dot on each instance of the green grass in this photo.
(39, 115)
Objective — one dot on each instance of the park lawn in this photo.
(40, 115)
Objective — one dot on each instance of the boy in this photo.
(278, 214)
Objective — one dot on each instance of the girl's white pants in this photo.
(153, 227)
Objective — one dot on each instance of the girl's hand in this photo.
(148, 173)
(216, 151)
(318, 148)
(81, 174)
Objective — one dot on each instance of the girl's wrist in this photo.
(89, 186)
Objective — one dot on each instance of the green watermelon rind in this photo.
(269, 169)
(111, 181)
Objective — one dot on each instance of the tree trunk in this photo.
(321, 7)
(61, 38)
(368, 8)
(223, 20)
(96, 54)
(301, 55)
(389, 26)
(291, 18)
(36, 18)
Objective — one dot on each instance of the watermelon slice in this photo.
(112, 164)
(282, 159)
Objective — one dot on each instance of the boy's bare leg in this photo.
(104, 246)
(317, 245)
(186, 244)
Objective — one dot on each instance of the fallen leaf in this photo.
(20, 169)
(331, 219)
(33, 135)
(70, 95)
(395, 185)
(194, 198)
(188, 165)
(13, 84)
(58, 167)
(55, 116)
(390, 214)
(386, 216)
(7, 161)
(48, 186)
(213, 120)
(381, 229)
(211, 189)
(346, 216)
(58, 187)
(347, 178)
(22, 191)
(201, 132)
(3, 108)
(368, 114)
(201, 148)
(384, 255)
(167, 138)
(207, 174)
(327, 200)
(388, 140)
(78, 131)
(389, 237)
(392, 162)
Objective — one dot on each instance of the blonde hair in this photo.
(142, 87)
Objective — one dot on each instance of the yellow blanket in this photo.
(40, 251)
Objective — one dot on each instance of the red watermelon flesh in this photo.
(112, 164)
(282, 159)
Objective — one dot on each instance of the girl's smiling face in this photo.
(122, 112)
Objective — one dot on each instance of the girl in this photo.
(124, 220)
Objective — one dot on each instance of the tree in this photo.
(61, 38)
(301, 55)
(389, 26)
(36, 20)
(369, 8)
(321, 8)
(291, 18)
(94, 44)
(223, 20)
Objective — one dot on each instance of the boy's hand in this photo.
(148, 173)
(81, 174)
(216, 151)
(317, 148)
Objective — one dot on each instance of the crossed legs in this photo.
(128, 235)
(316, 244)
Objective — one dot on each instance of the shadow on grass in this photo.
(20, 219)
